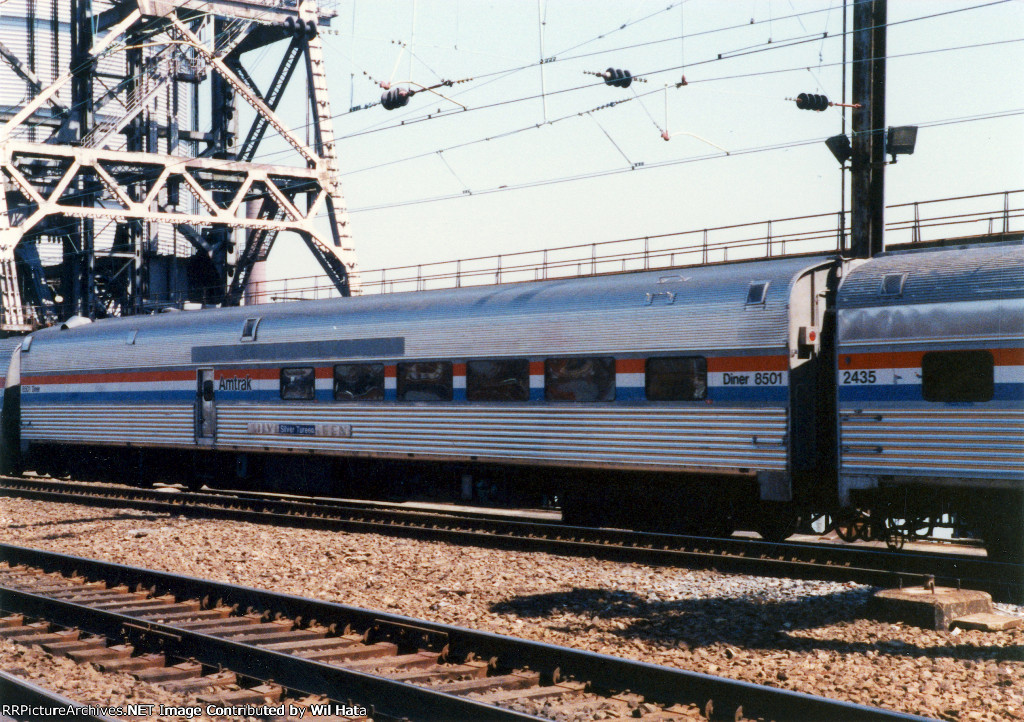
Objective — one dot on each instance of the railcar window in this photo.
(757, 293)
(892, 284)
(359, 382)
(502, 380)
(579, 379)
(249, 329)
(425, 381)
(298, 384)
(677, 378)
(958, 376)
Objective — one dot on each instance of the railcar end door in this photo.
(206, 410)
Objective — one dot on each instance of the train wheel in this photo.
(853, 528)
(895, 536)
(777, 522)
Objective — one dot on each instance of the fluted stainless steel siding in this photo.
(654, 438)
(972, 442)
(954, 298)
(699, 310)
(150, 425)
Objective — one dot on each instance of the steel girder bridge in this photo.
(96, 150)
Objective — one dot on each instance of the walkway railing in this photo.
(918, 222)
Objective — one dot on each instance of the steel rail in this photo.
(24, 700)
(391, 698)
(830, 562)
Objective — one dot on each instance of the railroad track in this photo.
(828, 562)
(272, 649)
(23, 700)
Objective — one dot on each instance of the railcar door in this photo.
(205, 408)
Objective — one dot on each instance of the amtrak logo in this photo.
(235, 384)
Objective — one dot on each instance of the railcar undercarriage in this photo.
(702, 505)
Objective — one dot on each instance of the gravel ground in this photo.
(804, 636)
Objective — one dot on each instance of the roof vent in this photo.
(892, 284)
(756, 293)
(75, 322)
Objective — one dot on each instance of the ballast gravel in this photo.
(806, 636)
(86, 685)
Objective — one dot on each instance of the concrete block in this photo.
(989, 622)
(929, 608)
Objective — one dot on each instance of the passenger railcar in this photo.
(665, 371)
(930, 372)
(699, 398)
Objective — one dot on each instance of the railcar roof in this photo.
(690, 285)
(946, 275)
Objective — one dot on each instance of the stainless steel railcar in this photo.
(930, 373)
(737, 393)
(682, 372)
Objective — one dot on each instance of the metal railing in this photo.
(962, 217)
(966, 217)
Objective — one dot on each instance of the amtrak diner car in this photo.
(699, 398)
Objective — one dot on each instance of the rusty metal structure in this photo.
(867, 191)
(131, 165)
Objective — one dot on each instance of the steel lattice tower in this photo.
(151, 133)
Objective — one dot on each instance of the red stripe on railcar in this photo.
(111, 378)
(747, 363)
(912, 359)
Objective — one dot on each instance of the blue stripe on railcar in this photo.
(883, 393)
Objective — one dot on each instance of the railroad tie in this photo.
(199, 684)
(504, 681)
(161, 675)
(363, 651)
(258, 695)
(132, 664)
(314, 645)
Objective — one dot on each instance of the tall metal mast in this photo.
(868, 159)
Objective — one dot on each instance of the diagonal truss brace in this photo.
(31, 78)
(44, 97)
(162, 167)
(243, 90)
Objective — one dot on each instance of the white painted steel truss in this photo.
(45, 180)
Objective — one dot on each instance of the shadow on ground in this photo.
(745, 622)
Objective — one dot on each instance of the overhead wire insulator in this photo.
(300, 27)
(395, 98)
(617, 77)
(812, 101)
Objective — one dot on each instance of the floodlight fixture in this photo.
(900, 140)
(840, 147)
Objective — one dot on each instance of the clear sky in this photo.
(499, 195)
